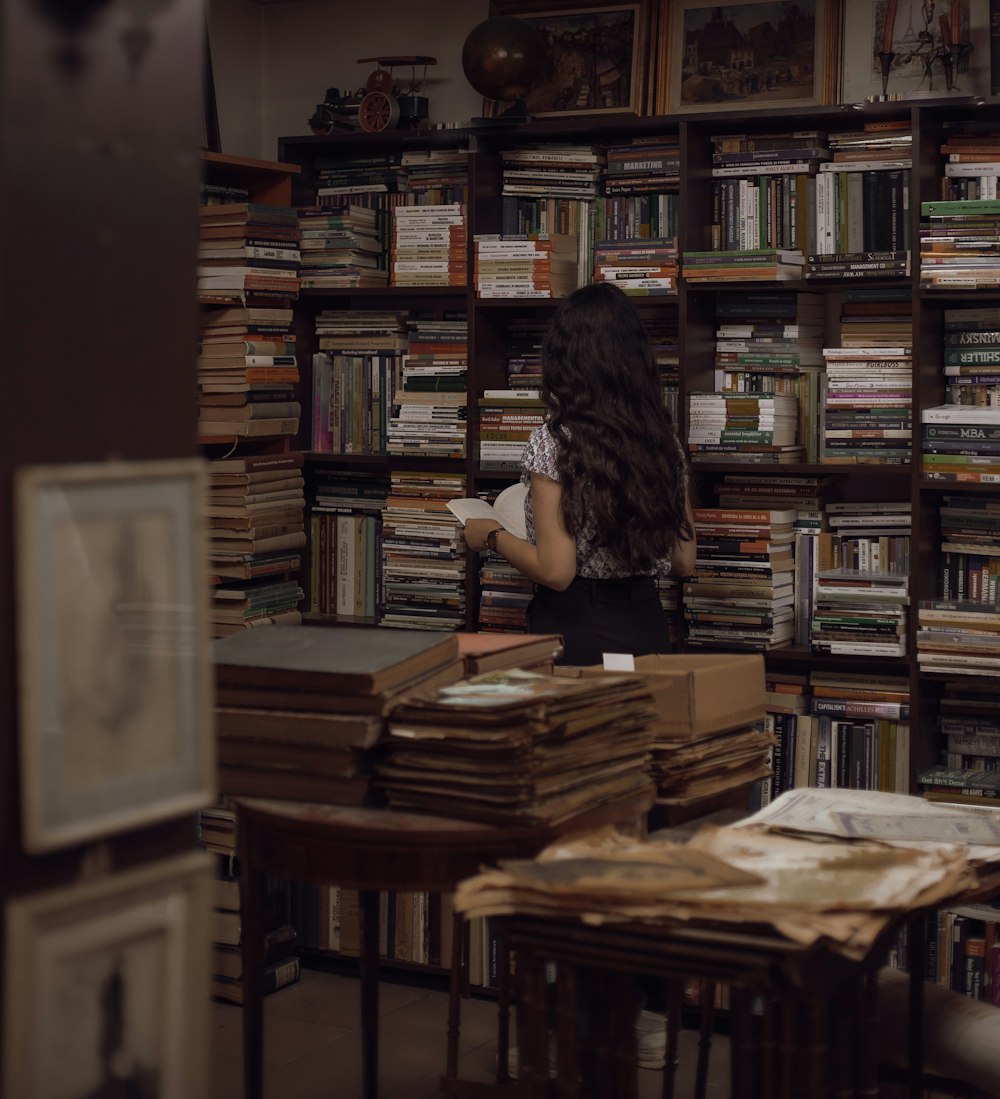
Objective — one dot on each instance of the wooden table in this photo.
(803, 1020)
(372, 850)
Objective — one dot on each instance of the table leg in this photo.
(368, 920)
(455, 985)
(252, 962)
(917, 952)
(503, 1006)
(674, 1002)
(705, 1037)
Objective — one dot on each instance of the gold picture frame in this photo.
(747, 54)
(599, 56)
(106, 985)
(114, 674)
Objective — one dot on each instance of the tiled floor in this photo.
(312, 1047)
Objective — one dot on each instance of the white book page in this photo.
(507, 511)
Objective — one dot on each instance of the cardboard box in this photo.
(700, 693)
(708, 692)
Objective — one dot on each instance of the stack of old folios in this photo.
(709, 738)
(519, 747)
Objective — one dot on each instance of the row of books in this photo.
(838, 729)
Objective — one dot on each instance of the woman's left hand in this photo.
(476, 531)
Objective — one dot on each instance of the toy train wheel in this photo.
(322, 120)
(378, 111)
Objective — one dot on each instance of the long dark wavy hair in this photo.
(617, 451)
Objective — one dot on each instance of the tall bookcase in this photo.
(693, 307)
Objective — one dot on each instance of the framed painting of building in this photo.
(741, 55)
(114, 676)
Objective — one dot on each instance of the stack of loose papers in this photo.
(519, 747)
(821, 890)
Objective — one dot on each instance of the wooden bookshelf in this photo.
(692, 308)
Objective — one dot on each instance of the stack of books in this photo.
(255, 540)
(643, 267)
(769, 342)
(507, 418)
(961, 443)
(255, 517)
(972, 164)
(429, 408)
(217, 832)
(744, 265)
(872, 536)
(867, 405)
(969, 720)
(429, 245)
(863, 203)
(640, 185)
(722, 420)
(301, 708)
(764, 187)
(423, 552)
(742, 596)
(788, 721)
(973, 383)
(959, 637)
(860, 612)
(958, 244)
(804, 495)
(959, 632)
(970, 548)
(341, 246)
(436, 176)
(524, 352)
(636, 221)
(247, 371)
(247, 249)
(551, 188)
(518, 747)
(861, 730)
(345, 535)
(876, 316)
(536, 265)
(356, 374)
(374, 180)
(504, 595)
(663, 339)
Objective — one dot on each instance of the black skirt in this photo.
(602, 616)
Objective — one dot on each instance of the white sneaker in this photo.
(651, 1039)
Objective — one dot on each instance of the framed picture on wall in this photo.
(599, 55)
(106, 986)
(741, 55)
(114, 675)
(938, 47)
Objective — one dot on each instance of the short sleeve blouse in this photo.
(593, 561)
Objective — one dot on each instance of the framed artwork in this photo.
(114, 673)
(106, 986)
(599, 56)
(926, 39)
(740, 55)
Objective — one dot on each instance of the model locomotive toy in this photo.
(382, 104)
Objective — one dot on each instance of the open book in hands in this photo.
(507, 510)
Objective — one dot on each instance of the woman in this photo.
(607, 508)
